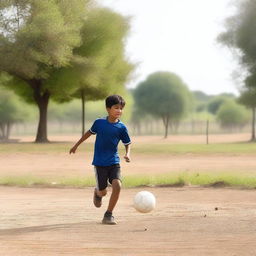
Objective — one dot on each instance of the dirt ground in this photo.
(186, 221)
(79, 165)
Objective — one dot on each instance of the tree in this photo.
(44, 50)
(248, 98)
(215, 103)
(164, 95)
(240, 33)
(11, 112)
(107, 70)
(231, 115)
(37, 38)
(240, 36)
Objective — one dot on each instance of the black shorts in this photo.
(105, 174)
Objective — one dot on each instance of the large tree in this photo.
(44, 50)
(163, 95)
(240, 37)
(248, 98)
(36, 39)
(107, 70)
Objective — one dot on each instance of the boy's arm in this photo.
(127, 153)
(83, 138)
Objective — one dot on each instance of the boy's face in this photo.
(115, 111)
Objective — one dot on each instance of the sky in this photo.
(179, 36)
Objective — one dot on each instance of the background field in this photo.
(154, 160)
(189, 220)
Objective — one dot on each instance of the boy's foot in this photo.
(97, 200)
(108, 219)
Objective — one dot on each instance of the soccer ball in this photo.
(144, 201)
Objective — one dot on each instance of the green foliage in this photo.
(240, 36)
(45, 38)
(215, 103)
(232, 114)
(58, 49)
(201, 96)
(248, 97)
(71, 111)
(12, 110)
(66, 112)
(163, 95)
(98, 67)
(211, 103)
(106, 69)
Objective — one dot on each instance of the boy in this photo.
(109, 131)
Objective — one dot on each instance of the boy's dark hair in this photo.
(113, 100)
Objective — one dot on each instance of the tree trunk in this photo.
(207, 132)
(42, 100)
(166, 125)
(8, 130)
(1, 131)
(253, 123)
(83, 111)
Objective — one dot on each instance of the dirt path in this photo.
(187, 221)
(79, 165)
(52, 164)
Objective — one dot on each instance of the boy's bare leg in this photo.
(101, 193)
(97, 197)
(116, 188)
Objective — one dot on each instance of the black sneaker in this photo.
(108, 219)
(97, 200)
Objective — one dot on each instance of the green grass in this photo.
(32, 181)
(219, 148)
(142, 148)
(41, 148)
(171, 179)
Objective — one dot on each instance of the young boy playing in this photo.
(109, 131)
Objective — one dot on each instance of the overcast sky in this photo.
(179, 36)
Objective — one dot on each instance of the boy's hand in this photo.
(127, 158)
(73, 150)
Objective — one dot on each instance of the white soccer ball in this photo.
(144, 201)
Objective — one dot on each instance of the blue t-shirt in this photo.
(108, 136)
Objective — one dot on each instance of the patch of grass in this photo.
(220, 179)
(31, 148)
(32, 181)
(218, 148)
(195, 179)
(24, 181)
(140, 148)
(159, 180)
(171, 179)
(77, 182)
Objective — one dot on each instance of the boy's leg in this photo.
(101, 193)
(116, 188)
(114, 179)
(97, 197)
(108, 217)
(101, 185)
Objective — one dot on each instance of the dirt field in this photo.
(186, 221)
(78, 165)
